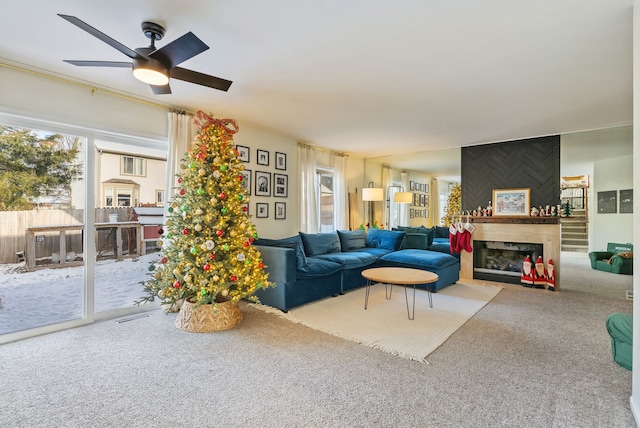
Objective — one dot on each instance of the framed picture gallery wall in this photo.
(264, 178)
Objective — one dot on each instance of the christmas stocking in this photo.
(464, 241)
(461, 238)
(453, 238)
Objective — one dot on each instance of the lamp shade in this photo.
(403, 197)
(372, 194)
(151, 72)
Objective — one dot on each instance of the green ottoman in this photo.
(620, 328)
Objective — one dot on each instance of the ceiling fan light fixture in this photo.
(150, 72)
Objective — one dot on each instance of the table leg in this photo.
(390, 289)
(406, 298)
(366, 293)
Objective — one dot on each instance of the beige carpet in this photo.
(384, 325)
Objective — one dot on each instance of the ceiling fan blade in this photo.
(200, 78)
(161, 90)
(180, 50)
(100, 35)
(99, 63)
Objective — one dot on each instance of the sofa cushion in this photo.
(377, 252)
(352, 239)
(320, 243)
(427, 231)
(387, 239)
(317, 267)
(350, 259)
(440, 232)
(440, 245)
(422, 259)
(614, 248)
(417, 241)
(292, 242)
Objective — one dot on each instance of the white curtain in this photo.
(403, 211)
(181, 135)
(387, 180)
(309, 222)
(340, 196)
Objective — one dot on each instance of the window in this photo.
(124, 197)
(326, 215)
(159, 198)
(133, 166)
(108, 197)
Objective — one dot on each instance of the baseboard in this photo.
(634, 410)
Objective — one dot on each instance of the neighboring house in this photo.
(130, 179)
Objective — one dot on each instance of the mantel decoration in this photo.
(207, 263)
(511, 202)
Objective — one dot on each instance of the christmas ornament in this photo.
(198, 227)
(209, 244)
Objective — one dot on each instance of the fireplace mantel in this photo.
(539, 230)
(515, 220)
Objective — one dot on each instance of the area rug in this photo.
(384, 325)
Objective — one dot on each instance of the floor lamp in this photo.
(372, 194)
(399, 197)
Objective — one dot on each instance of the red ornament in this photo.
(200, 156)
(185, 231)
(164, 260)
(261, 265)
(222, 195)
(206, 267)
(179, 179)
(176, 284)
(182, 192)
(245, 208)
(240, 177)
(233, 278)
(246, 243)
(212, 256)
(251, 240)
(219, 232)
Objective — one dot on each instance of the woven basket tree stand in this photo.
(208, 318)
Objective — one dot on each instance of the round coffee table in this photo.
(399, 276)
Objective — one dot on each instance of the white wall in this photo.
(601, 155)
(610, 174)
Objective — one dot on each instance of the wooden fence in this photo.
(13, 226)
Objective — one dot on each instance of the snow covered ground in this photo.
(47, 296)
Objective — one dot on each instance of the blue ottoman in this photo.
(446, 266)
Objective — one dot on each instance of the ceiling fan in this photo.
(151, 65)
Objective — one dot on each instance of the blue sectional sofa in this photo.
(308, 267)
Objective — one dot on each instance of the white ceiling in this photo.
(368, 77)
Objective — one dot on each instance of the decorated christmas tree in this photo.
(207, 254)
(454, 205)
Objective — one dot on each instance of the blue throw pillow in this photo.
(352, 239)
(387, 239)
(292, 242)
(315, 244)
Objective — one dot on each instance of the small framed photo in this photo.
(245, 208)
(426, 213)
(607, 202)
(280, 185)
(262, 210)
(412, 185)
(626, 201)
(263, 157)
(281, 211)
(243, 153)
(412, 213)
(281, 161)
(511, 202)
(426, 188)
(246, 181)
(263, 183)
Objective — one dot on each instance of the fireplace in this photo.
(544, 231)
(502, 261)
